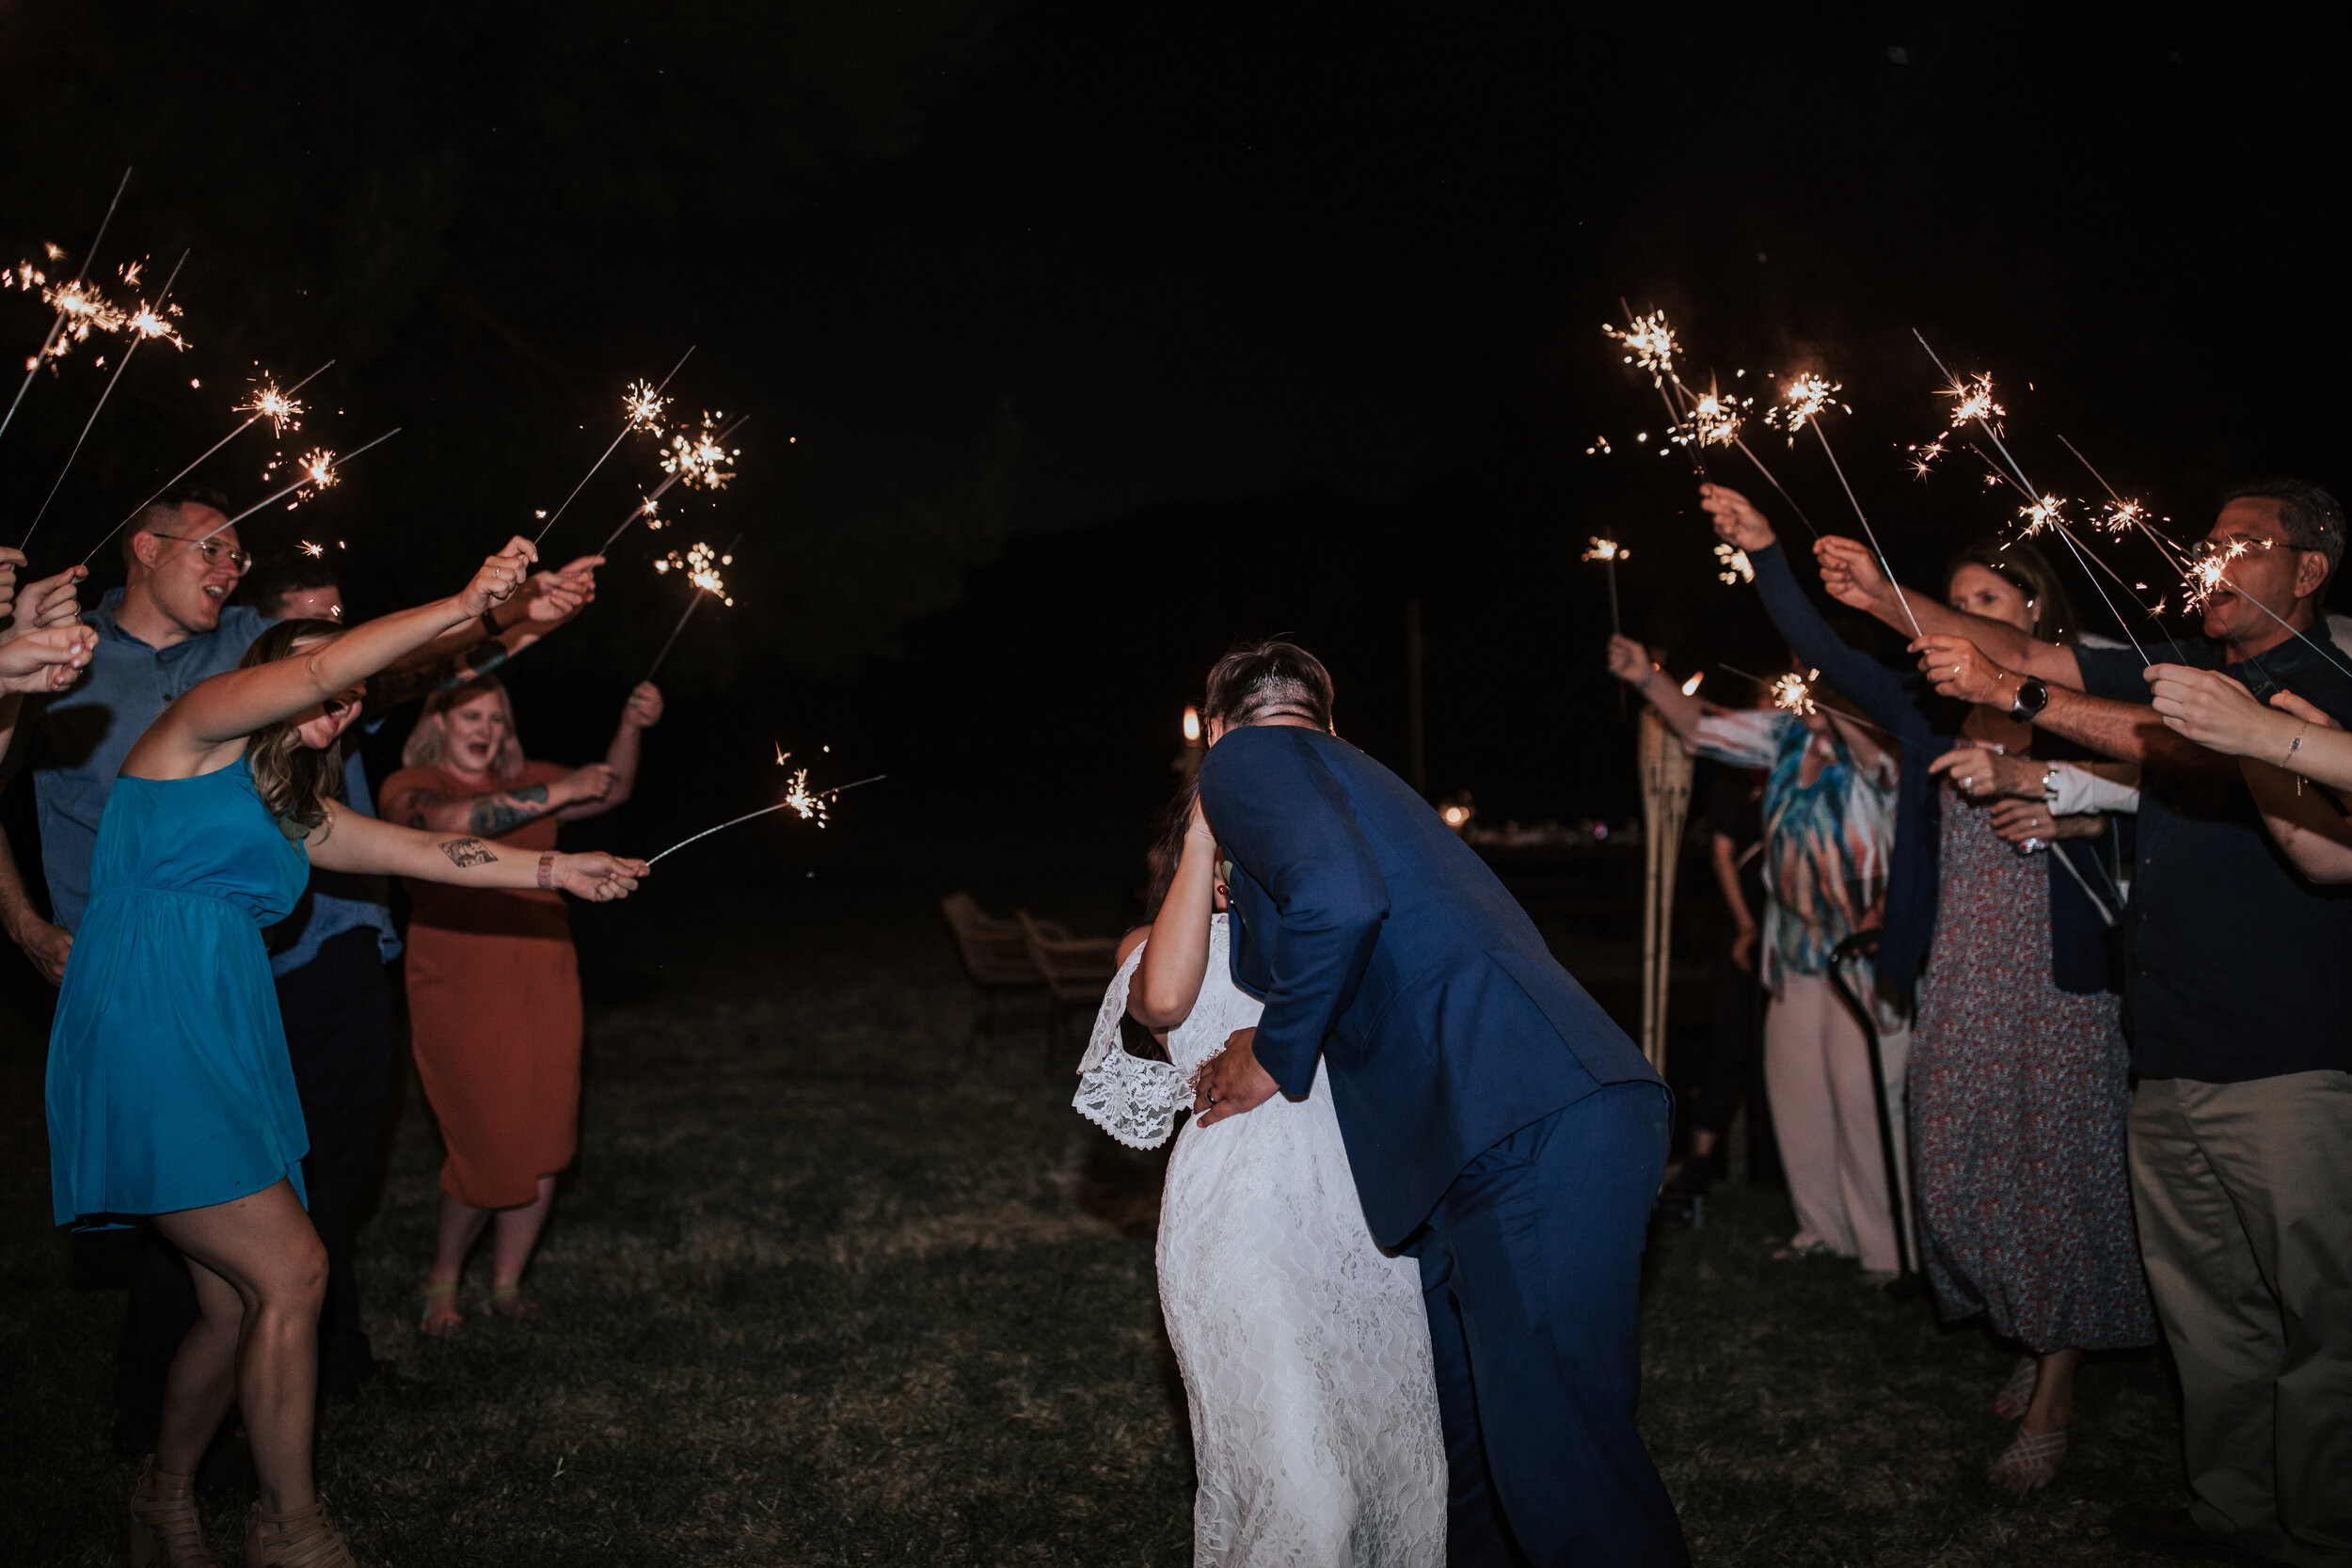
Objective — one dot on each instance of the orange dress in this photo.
(494, 1009)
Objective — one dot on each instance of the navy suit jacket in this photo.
(1379, 941)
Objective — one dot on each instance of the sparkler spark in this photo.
(280, 408)
(644, 404)
(1605, 549)
(1972, 402)
(1650, 344)
(1691, 686)
(701, 459)
(1793, 693)
(313, 552)
(1734, 565)
(149, 321)
(799, 798)
(1802, 400)
(701, 565)
(2045, 516)
(1714, 420)
(2122, 517)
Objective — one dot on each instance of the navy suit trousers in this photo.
(1531, 1266)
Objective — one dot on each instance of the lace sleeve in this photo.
(1134, 1101)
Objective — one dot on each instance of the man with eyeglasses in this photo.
(2239, 1009)
(174, 624)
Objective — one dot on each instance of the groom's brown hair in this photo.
(1273, 679)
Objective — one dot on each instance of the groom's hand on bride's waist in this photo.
(1231, 1081)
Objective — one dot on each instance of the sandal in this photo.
(302, 1539)
(2016, 1395)
(1801, 1249)
(508, 1301)
(441, 1317)
(2030, 1461)
(164, 1529)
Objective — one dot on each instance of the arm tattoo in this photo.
(462, 852)
(493, 814)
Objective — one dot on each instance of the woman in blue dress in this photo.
(170, 1097)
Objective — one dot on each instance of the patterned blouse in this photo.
(1827, 843)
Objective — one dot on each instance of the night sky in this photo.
(1109, 334)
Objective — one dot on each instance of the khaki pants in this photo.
(2244, 1200)
(1816, 1071)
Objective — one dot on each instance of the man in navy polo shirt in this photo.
(2239, 1008)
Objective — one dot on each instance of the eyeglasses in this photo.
(215, 552)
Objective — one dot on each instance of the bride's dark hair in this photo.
(1168, 846)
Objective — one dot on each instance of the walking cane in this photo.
(1908, 1280)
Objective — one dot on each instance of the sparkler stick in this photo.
(33, 368)
(645, 508)
(318, 472)
(140, 334)
(641, 412)
(692, 605)
(2131, 512)
(799, 800)
(270, 403)
(1807, 395)
(1607, 552)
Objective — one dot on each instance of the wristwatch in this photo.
(2033, 695)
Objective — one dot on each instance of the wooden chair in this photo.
(996, 956)
(1076, 970)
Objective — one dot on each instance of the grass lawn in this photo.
(824, 1291)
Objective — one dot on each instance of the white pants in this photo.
(1817, 1070)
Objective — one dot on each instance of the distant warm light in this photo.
(1192, 726)
(1455, 816)
(1691, 686)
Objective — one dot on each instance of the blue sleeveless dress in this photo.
(170, 1086)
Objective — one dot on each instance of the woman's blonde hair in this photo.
(295, 781)
(429, 741)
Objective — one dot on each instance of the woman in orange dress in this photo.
(493, 981)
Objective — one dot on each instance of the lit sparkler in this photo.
(2044, 514)
(634, 404)
(701, 459)
(649, 508)
(1802, 400)
(1691, 686)
(1609, 552)
(1650, 344)
(328, 471)
(33, 361)
(1733, 565)
(267, 403)
(146, 312)
(1793, 693)
(701, 565)
(798, 798)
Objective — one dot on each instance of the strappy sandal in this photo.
(166, 1531)
(441, 1318)
(2016, 1395)
(302, 1539)
(508, 1301)
(2030, 1461)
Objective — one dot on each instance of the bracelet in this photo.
(547, 869)
(2295, 745)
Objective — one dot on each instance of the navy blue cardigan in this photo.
(1926, 726)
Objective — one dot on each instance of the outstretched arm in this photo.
(2133, 732)
(1630, 662)
(219, 713)
(353, 842)
(1850, 573)
(546, 601)
(642, 713)
(1284, 818)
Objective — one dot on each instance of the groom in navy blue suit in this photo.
(1501, 1128)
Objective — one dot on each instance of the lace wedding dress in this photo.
(1304, 1349)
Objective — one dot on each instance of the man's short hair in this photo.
(161, 516)
(1259, 681)
(272, 580)
(2311, 517)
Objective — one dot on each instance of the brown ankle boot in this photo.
(302, 1539)
(164, 1529)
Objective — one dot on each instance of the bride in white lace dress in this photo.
(1305, 1350)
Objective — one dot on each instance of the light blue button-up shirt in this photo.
(89, 728)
